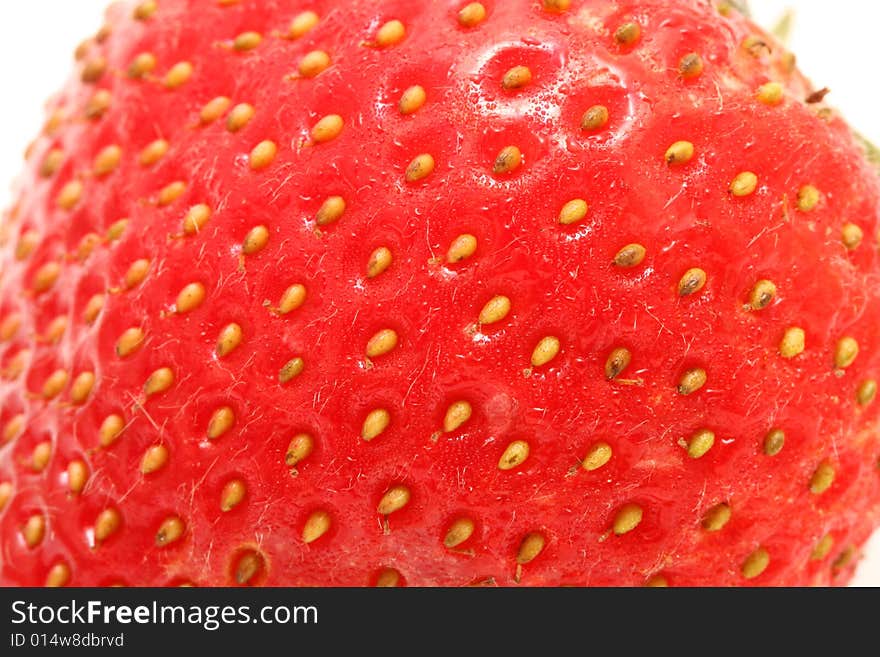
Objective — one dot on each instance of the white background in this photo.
(836, 44)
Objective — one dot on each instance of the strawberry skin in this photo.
(379, 292)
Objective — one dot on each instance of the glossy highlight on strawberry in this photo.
(384, 293)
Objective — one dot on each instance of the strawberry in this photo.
(380, 293)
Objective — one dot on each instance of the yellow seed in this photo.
(756, 563)
(153, 152)
(41, 455)
(230, 338)
(221, 421)
(58, 575)
(531, 546)
(375, 423)
(87, 246)
(867, 392)
(159, 381)
(472, 14)
(77, 476)
(393, 500)
(52, 162)
(846, 352)
(762, 295)
(495, 310)
(556, 6)
(412, 99)
(627, 34)
(247, 41)
(808, 198)
(214, 109)
(5, 494)
(196, 218)
(263, 155)
(291, 369)
(459, 531)
(110, 430)
(170, 531)
(462, 248)
(845, 558)
(178, 75)
(681, 152)
(129, 342)
(598, 455)
(16, 365)
(379, 261)
(517, 77)
(595, 118)
(10, 326)
(744, 184)
(108, 523)
(545, 351)
(316, 526)
(774, 441)
(56, 329)
(70, 195)
(573, 212)
(507, 161)
(98, 104)
(154, 459)
(770, 93)
(82, 387)
(381, 343)
(142, 65)
(327, 129)
(136, 273)
(851, 236)
(232, 495)
(34, 530)
(13, 428)
(93, 308)
(793, 342)
(420, 168)
(657, 582)
(107, 160)
(330, 211)
(715, 518)
(170, 193)
(457, 414)
(823, 548)
(255, 241)
(46, 277)
(190, 298)
(390, 34)
(514, 455)
(94, 70)
(628, 517)
(692, 282)
(54, 384)
(314, 63)
(116, 230)
(631, 255)
(26, 245)
(250, 565)
(822, 478)
(239, 117)
(302, 23)
(145, 10)
(293, 298)
(300, 447)
(388, 578)
(690, 66)
(700, 443)
(691, 381)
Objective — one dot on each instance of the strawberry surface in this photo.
(389, 293)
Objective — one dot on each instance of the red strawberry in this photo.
(384, 292)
